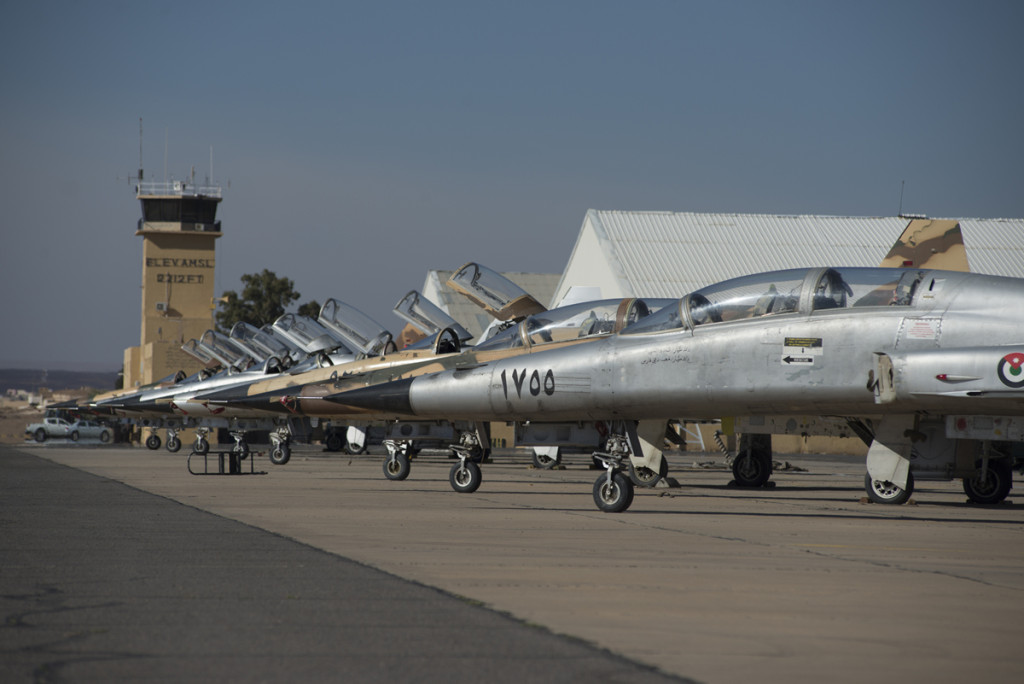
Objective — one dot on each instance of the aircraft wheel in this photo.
(752, 468)
(886, 492)
(615, 496)
(40, 435)
(280, 454)
(996, 485)
(645, 477)
(355, 449)
(173, 445)
(545, 462)
(105, 436)
(396, 467)
(465, 477)
(153, 442)
(74, 436)
(334, 442)
(242, 449)
(201, 447)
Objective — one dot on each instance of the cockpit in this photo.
(775, 293)
(428, 317)
(224, 350)
(574, 322)
(359, 331)
(496, 294)
(306, 334)
(260, 344)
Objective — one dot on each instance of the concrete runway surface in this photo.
(706, 582)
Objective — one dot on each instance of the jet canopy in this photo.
(781, 292)
(260, 344)
(576, 321)
(358, 330)
(306, 334)
(498, 295)
(224, 350)
(428, 317)
(204, 357)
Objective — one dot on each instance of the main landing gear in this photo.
(465, 476)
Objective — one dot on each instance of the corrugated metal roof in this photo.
(667, 254)
(994, 246)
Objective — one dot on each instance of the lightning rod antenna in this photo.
(902, 182)
(140, 149)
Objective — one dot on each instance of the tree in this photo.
(264, 298)
(311, 309)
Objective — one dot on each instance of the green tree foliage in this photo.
(263, 299)
(311, 309)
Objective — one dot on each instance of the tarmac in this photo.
(119, 564)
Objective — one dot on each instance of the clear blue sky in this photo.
(361, 143)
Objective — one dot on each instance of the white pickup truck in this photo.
(50, 427)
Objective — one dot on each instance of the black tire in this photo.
(996, 485)
(545, 462)
(40, 435)
(105, 436)
(397, 467)
(353, 449)
(645, 477)
(334, 442)
(201, 447)
(752, 466)
(280, 454)
(885, 492)
(241, 449)
(615, 496)
(153, 442)
(75, 436)
(466, 477)
(173, 445)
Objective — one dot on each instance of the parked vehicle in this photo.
(50, 427)
(90, 428)
(58, 427)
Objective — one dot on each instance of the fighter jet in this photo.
(927, 366)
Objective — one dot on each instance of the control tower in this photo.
(179, 229)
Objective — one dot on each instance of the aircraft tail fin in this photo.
(929, 243)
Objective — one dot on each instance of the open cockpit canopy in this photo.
(260, 344)
(306, 334)
(496, 294)
(576, 321)
(222, 348)
(428, 317)
(786, 292)
(359, 331)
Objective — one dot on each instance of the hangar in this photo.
(668, 254)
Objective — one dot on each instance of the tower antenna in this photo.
(900, 213)
(140, 149)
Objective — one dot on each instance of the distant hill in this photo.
(32, 380)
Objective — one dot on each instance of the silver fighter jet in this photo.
(926, 366)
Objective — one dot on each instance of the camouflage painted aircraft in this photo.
(312, 394)
(927, 366)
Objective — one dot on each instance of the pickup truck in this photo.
(50, 427)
